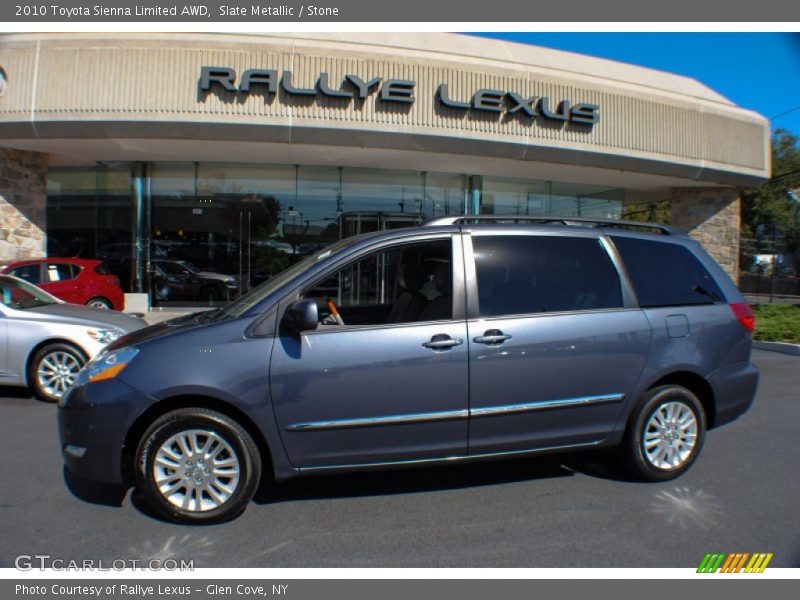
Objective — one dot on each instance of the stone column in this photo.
(23, 199)
(712, 217)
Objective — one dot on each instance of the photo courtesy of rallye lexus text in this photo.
(136, 589)
(466, 338)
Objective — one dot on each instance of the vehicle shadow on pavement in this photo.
(440, 478)
(93, 492)
(600, 463)
(394, 482)
(22, 393)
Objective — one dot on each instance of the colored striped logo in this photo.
(735, 563)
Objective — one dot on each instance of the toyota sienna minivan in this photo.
(467, 338)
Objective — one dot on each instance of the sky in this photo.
(759, 71)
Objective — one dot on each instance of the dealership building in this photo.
(239, 154)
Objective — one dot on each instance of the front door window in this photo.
(404, 284)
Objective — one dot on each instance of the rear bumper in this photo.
(734, 390)
(93, 421)
(117, 299)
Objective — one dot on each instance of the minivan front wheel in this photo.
(196, 465)
(666, 433)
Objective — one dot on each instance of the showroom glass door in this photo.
(203, 225)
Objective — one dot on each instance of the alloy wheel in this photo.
(670, 435)
(196, 470)
(57, 371)
(99, 303)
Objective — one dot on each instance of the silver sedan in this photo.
(45, 342)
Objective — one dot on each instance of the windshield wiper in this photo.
(206, 315)
(34, 305)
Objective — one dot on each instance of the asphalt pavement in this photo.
(578, 510)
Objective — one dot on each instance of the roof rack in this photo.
(545, 220)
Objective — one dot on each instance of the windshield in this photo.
(189, 267)
(258, 293)
(175, 268)
(19, 295)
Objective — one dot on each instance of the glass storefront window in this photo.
(312, 220)
(375, 200)
(445, 194)
(515, 197)
(535, 197)
(216, 229)
(580, 200)
(89, 216)
(212, 231)
(385, 191)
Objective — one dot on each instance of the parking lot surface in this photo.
(578, 510)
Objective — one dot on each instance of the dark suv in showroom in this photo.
(174, 279)
(464, 339)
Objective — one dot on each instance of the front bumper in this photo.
(93, 421)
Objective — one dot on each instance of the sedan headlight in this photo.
(106, 366)
(105, 336)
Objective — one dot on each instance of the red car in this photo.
(73, 280)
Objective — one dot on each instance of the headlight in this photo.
(105, 336)
(106, 366)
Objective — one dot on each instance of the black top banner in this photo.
(407, 11)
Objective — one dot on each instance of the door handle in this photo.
(492, 337)
(442, 342)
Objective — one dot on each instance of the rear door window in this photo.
(665, 274)
(30, 273)
(540, 274)
(59, 272)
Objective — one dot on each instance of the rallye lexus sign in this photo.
(399, 91)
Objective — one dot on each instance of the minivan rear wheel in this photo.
(665, 434)
(196, 465)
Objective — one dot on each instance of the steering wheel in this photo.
(335, 312)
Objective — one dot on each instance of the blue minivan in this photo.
(467, 338)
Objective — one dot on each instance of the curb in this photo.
(783, 348)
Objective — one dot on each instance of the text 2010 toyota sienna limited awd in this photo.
(461, 339)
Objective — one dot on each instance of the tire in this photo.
(671, 421)
(53, 369)
(190, 495)
(101, 303)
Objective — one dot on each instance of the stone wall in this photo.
(711, 216)
(23, 198)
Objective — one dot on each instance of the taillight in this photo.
(744, 315)
(113, 281)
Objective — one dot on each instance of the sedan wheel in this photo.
(54, 369)
(665, 433)
(196, 465)
(101, 303)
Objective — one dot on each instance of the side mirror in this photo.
(303, 315)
